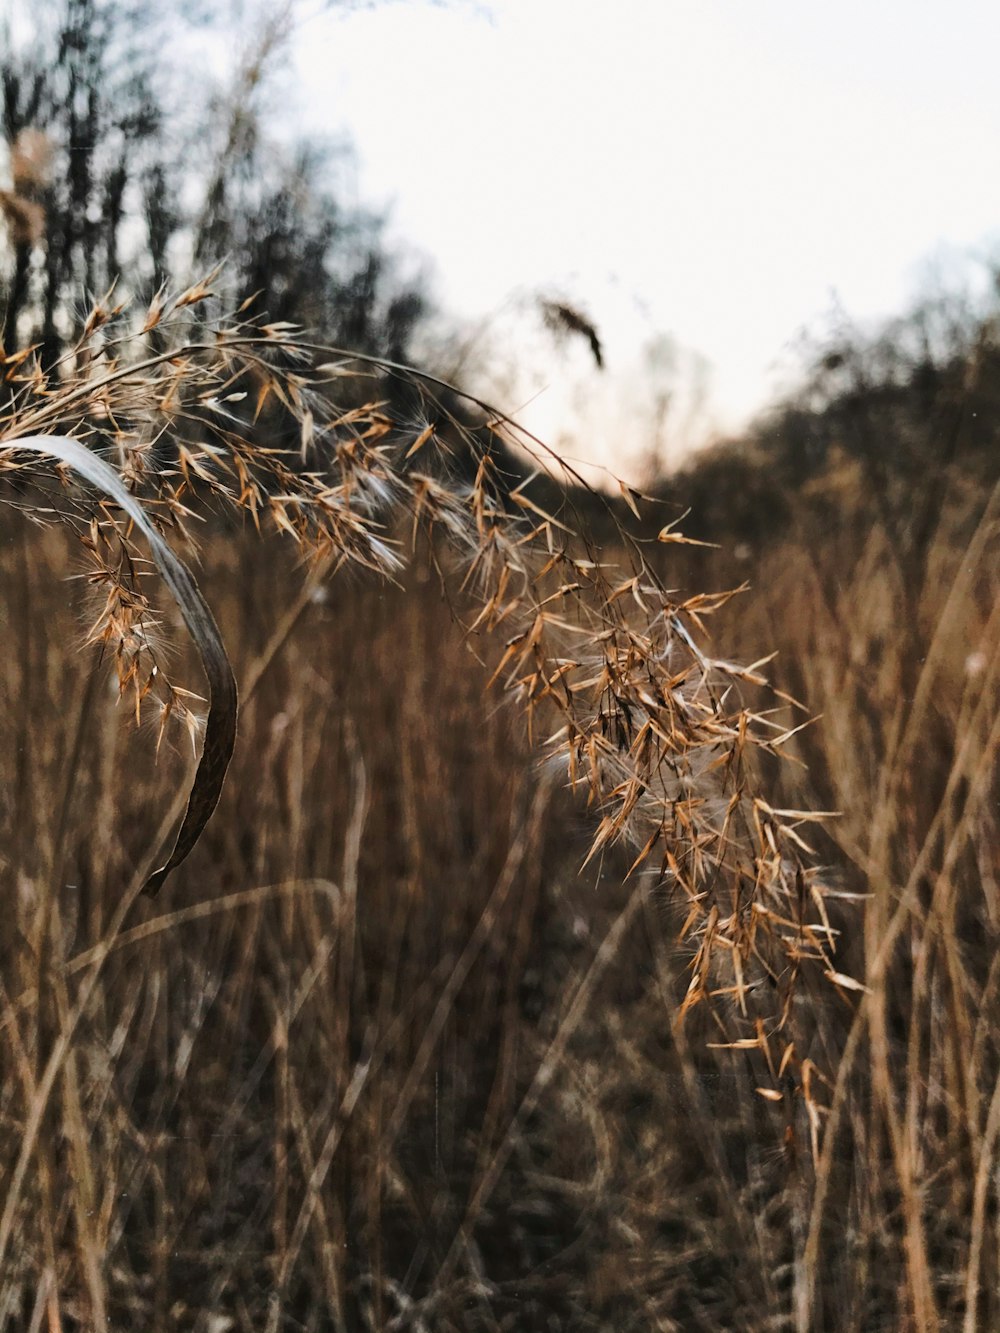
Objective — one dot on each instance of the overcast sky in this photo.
(719, 171)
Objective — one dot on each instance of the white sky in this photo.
(718, 171)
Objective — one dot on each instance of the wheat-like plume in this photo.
(603, 659)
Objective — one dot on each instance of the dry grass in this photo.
(902, 1229)
(380, 1056)
(656, 733)
(355, 1067)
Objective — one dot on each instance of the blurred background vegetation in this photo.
(130, 166)
(388, 1059)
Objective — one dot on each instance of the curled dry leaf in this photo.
(220, 727)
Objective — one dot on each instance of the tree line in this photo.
(129, 166)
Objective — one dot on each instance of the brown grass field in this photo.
(383, 1056)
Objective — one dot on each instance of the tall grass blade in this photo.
(220, 725)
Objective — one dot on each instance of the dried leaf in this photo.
(220, 727)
